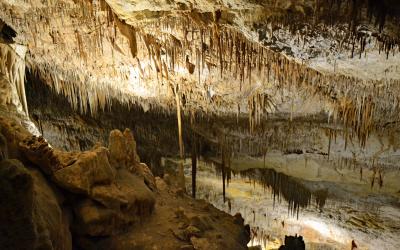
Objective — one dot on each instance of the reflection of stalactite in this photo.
(320, 197)
(284, 186)
(329, 143)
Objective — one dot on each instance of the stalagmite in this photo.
(194, 165)
(181, 174)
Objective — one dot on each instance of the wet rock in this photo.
(30, 214)
(91, 168)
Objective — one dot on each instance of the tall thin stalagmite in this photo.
(181, 174)
(194, 166)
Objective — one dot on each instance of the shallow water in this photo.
(268, 201)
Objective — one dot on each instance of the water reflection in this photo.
(281, 186)
(264, 197)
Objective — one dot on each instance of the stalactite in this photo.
(13, 67)
(223, 47)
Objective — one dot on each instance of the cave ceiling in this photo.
(255, 58)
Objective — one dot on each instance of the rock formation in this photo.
(31, 210)
(309, 89)
(102, 192)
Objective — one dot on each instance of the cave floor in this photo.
(168, 226)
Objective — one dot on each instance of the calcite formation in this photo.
(293, 85)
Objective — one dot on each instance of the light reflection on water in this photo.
(270, 221)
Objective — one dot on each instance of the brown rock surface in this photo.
(164, 230)
(30, 214)
(118, 149)
(89, 169)
(112, 200)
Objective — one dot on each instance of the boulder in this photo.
(94, 219)
(141, 200)
(89, 169)
(111, 208)
(30, 214)
(109, 196)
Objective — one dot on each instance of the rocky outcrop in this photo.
(123, 154)
(30, 212)
(90, 168)
(178, 223)
(115, 195)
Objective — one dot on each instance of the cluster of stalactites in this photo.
(202, 45)
(228, 53)
(73, 76)
(353, 16)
